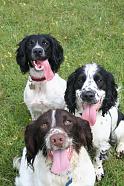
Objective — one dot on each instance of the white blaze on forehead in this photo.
(90, 70)
(37, 46)
(53, 124)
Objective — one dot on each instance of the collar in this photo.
(69, 179)
(37, 79)
(69, 182)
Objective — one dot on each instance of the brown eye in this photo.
(44, 126)
(68, 123)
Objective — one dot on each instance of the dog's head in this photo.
(89, 89)
(33, 50)
(57, 133)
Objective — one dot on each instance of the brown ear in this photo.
(84, 132)
(31, 135)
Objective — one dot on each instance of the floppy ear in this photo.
(33, 141)
(21, 56)
(83, 133)
(70, 94)
(111, 94)
(57, 56)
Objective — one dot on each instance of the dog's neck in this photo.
(38, 76)
(33, 78)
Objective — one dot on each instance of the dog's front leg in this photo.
(98, 167)
(119, 133)
(101, 155)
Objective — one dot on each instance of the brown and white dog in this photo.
(56, 152)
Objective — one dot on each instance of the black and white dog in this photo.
(56, 152)
(41, 56)
(92, 93)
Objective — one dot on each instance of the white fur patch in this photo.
(82, 173)
(53, 124)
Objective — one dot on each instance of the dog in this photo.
(92, 93)
(41, 56)
(56, 152)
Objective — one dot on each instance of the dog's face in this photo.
(90, 88)
(35, 49)
(38, 48)
(57, 133)
(90, 85)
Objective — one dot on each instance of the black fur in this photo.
(110, 90)
(107, 83)
(70, 96)
(35, 134)
(54, 53)
(21, 57)
(120, 117)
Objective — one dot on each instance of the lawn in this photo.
(88, 31)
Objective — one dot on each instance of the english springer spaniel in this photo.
(41, 56)
(92, 93)
(56, 152)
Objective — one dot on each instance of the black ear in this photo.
(57, 56)
(70, 94)
(33, 141)
(21, 56)
(83, 133)
(111, 93)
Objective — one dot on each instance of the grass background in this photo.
(88, 31)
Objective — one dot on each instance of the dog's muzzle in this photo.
(88, 96)
(38, 53)
(60, 150)
(58, 139)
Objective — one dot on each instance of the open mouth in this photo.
(43, 65)
(60, 160)
(90, 112)
(38, 65)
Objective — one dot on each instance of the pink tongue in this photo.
(60, 162)
(48, 73)
(89, 113)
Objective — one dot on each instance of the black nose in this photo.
(37, 51)
(87, 95)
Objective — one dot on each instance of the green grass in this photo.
(88, 31)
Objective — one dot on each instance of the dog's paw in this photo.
(120, 150)
(99, 173)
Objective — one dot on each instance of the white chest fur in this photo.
(82, 172)
(103, 127)
(42, 96)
